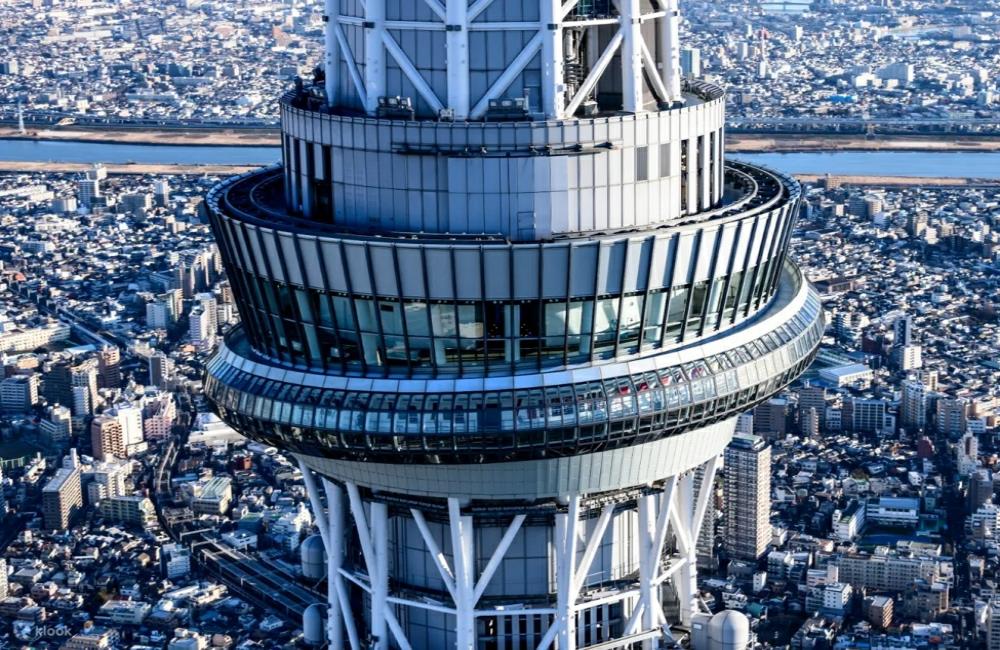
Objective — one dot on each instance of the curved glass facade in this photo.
(398, 307)
(508, 424)
(322, 329)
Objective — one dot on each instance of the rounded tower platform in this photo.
(504, 300)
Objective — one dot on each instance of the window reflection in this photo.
(326, 330)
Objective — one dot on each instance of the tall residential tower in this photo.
(504, 300)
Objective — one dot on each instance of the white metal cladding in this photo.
(596, 174)
(460, 55)
(568, 268)
(538, 479)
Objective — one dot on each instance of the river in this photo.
(843, 163)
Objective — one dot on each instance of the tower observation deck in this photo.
(504, 300)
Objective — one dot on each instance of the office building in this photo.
(109, 363)
(507, 293)
(107, 440)
(747, 497)
(993, 625)
(57, 426)
(161, 370)
(19, 394)
(913, 406)
(967, 454)
(62, 499)
(135, 510)
(175, 560)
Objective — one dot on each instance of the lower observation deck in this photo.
(527, 417)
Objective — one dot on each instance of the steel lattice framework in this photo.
(457, 18)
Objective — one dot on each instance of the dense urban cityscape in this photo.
(143, 504)
(906, 65)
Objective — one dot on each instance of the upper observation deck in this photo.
(525, 180)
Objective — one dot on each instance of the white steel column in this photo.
(632, 82)
(334, 562)
(371, 539)
(686, 581)
(374, 53)
(331, 52)
(457, 41)
(553, 58)
(566, 536)
(670, 51)
(462, 551)
(331, 528)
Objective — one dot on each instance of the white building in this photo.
(849, 522)
(176, 561)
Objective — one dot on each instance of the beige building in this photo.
(107, 438)
(62, 498)
(748, 497)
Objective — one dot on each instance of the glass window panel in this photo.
(714, 304)
(528, 315)
(606, 324)
(656, 306)
(443, 320)
(675, 314)
(415, 314)
(470, 321)
(631, 318)
(699, 296)
(303, 301)
(390, 314)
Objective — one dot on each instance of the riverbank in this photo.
(762, 143)
(16, 166)
(175, 137)
(735, 142)
(896, 181)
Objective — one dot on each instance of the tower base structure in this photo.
(605, 570)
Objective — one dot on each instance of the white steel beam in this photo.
(553, 88)
(654, 75)
(593, 545)
(497, 557)
(411, 72)
(440, 561)
(380, 581)
(352, 65)
(508, 76)
(369, 551)
(595, 74)
(686, 580)
(397, 630)
(648, 593)
(457, 42)
(374, 54)
(337, 591)
(334, 560)
(566, 538)
(463, 556)
(566, 8)
(312, 491)
(331, 53)
(478, 7)
(662, 522)
(670, 51)
(632, 83)
(436, 8)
